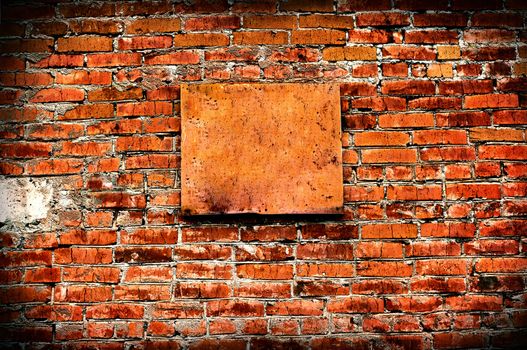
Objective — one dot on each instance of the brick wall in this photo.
(430, 252)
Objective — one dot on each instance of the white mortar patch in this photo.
(24, 200)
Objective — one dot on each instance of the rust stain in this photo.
(261, 148)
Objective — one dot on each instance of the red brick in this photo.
(492, 247)
(329, 231)
(111, 311)
(118, 200)
(431, 36)
(518, 152)
(445, 137)
(54, 167)
(356, 305)
(418, 5)
(208, 234)
(84, 77)
(55, 131)
(360, 121)
(510, 117)
(58, 95)
(363, 193)
(395, 69)
(149, 236)
(232, 308)
(434, 248)
(212, 23)
(25, 294)
(325, 270)
(115, 127)
(204, 270)
(27, 45)
(379, 250)
(144, 108)
(180, 57)
(360, 5)
(414, 193)
(42, 275)
(25, 79)
(408, 87)
(318, 37)
(501, 264)
(459, 340)
(491, 101)
(461, 119)
(143, 143)
(321, 288)
(474, 303)
(436, 154)
(144, 42)
(25, 150)
(115, 94)
(450, 229)
(91, 237)
(296, 308)
(441, 267)
(365, 70)
(231, 54)
(465, 87)
(370, 36)
(325, 251)
(83, 256)
(87, 111)
(94, 26)
(114, 59)
(201, 39)
(202, 290)
(11, 63)
(384, 269)
(406, 120)
(203, 252)
(389, 231)
(84, 44)
(357, 89)
(487, 134)
(269, 22)
(261, 271)
(450, 19)
(142, 292)
(408, 53)
(503, 19)
(154, 161)
(382, 19)
(143, 254)
(326, 21)
(91, 274)
(488, 35)
(177, 310)
(380, 103)
(153, 25)
(489, 53)
(85, 148)
(414, 304)
(389, 156)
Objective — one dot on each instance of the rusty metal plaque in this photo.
(261, 148)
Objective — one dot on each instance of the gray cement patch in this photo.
(24, 200)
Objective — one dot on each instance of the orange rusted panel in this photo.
(261, 148)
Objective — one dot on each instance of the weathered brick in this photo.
(201, 39)
(153, 25)
(84, 44)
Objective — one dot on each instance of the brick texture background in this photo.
(430, 253)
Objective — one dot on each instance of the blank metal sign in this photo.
(261, 148)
